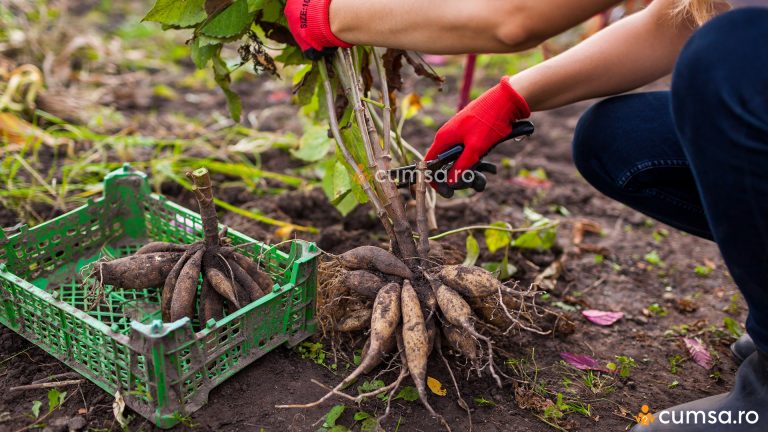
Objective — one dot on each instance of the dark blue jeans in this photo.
(696, 157)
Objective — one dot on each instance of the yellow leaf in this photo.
(436, 387)
(411, 105)
(284, 232)
(15, 130)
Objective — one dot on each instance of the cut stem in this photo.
(204, 194)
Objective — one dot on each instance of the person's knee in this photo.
(594, 141)
(722, 61)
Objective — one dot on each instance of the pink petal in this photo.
(582, 362)
(698, 352)
(602, 318)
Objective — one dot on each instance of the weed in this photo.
(623, 366)
(674, 363)
(184, 420)
(481, 401)
(657, 310)
(653, 258)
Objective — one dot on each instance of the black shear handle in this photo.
(522, 128)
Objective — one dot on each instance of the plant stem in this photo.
(373, 102)
(360, 177)
(421, 210)
(387, 114)
(494, 228)
(204, 194)
(392, 200)
(344, 70)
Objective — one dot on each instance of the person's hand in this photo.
(310, 25)
(479, 126)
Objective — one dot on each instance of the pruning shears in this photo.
(406, 176)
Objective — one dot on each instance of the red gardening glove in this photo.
(479, 126)
(310, 25)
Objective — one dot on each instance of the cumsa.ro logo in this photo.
(645, 417)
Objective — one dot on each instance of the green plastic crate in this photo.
(164, 371)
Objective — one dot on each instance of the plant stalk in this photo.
(422, 226)
(360, 176)
(204, 194)
(393, 201)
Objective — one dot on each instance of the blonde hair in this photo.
(699, 11)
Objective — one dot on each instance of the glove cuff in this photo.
(316, 19)
(523, 111)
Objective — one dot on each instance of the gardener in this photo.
(695, 157)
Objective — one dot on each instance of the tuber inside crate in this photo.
(115, 337)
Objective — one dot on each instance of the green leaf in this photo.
(201, 55)
(204, 40)
(338, 186)
(55, 399)
(255, 5)
(177, 13)
(273, 10)
(496, 268)
(496, 239)
(308, 81)
(473, 251)
(408, 393)
(232, 21)
(333, 415)
(36, 405)
(313, 145)
(529, 240)
(369, 386)
(291, 55)
(362, 415)
(370, 425)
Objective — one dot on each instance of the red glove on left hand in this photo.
(310, 25)
(479, 126)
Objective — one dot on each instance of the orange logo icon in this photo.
(645, 417)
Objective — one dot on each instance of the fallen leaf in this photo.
(436, 386)
(582, 362)
(602, 318)
(698, 352)
(583, 226)
(118, 407)
(547, 279)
